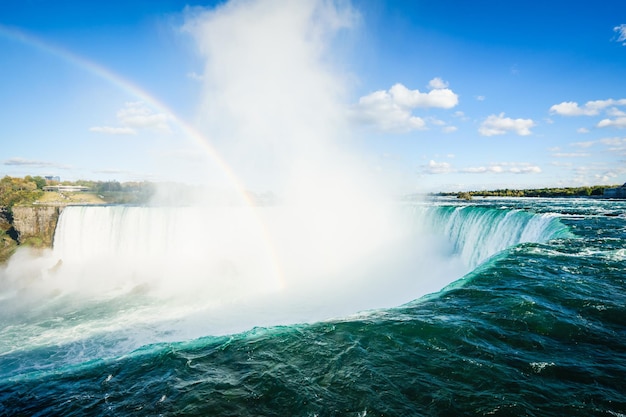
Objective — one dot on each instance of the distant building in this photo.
(66, 188)
(53, 178)
(619, 192)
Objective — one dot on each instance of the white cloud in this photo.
(195, 76)
(138, 115)
(571, 155)
(571, 108)
(499, 125)
(504, 168)
(135, 116)
(591, 108)
(437, 83)
(613, 141)
(379, 110)
(113, 130)
(391, 110)
(33, 163)
(582, 130)
(436, 122)
(459, 114)
(113, 171)
(445, 128)
(621, 33)
(615, 144)
(438, 97)
(480, 98)
(619, 122)
(496, 168)
(532, 169)
(437, 168)
(615, 112)
(586, 144)
(598, 172)
(475, 170)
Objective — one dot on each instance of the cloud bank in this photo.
(616, 117)
(434, 168)
(590, 108)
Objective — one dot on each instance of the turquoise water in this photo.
(536, 327)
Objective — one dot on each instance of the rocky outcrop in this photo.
(35, 224)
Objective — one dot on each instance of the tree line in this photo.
(120, 192)
(595, 190)
(27, 190)
(20, 190)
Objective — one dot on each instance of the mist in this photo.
(275, 100)
(274, 97)
(274, 105)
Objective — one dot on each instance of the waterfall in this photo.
(478, 233)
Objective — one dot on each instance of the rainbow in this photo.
(136, 91)
(132, 89)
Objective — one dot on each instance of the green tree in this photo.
(40, 182)
(18, 191)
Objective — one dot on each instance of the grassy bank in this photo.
(61, 198)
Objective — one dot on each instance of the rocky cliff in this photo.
(27, 225)
(35, 224)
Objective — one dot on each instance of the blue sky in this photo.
(446, 95)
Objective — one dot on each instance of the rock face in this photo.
(36, 222)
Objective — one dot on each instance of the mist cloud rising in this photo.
(275, 105)
(273, 102)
